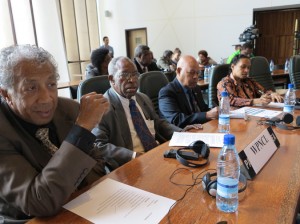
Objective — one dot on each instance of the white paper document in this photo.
(275, 105)
(257, 112)
(186, 138)
(113, 202)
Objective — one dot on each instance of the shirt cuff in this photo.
(81, 138)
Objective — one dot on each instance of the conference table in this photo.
(63, 85)
(271, 197)
(281, 78)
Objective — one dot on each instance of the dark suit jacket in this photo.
(113, 133)
(151, 67)
(32, 182)
(175, 108)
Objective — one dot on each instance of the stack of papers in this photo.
(275, 105)
(187, 138)
(257, 112)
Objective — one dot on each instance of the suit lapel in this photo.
(145, 109)
(181, 96)
(32, 149)
(120, 114)
(62, 130)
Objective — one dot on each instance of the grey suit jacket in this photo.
(32, 182)
(113, 133)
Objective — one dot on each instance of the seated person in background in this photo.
(204, 60)
(100, 59)
(46, 142)
(181, 102)
(246, 49)
(165, 62)
(176, 56)
(119, 133)
(144, 59)
(242, 90)
(237, 47)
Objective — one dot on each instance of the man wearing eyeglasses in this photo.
(118, 134)
(181, 102)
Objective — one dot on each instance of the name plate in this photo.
(258, 152)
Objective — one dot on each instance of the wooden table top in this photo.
(62, 85)
(203, 85)
(271, 197)
(280, 72)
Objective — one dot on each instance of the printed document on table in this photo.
(113, 202)
(187, 138)
(257, 112)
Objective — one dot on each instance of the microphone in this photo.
(287, 118)
(288, 127)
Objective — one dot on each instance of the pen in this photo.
(261, 92)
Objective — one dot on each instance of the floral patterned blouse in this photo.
(241, 94)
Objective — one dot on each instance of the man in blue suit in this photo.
(181, 102)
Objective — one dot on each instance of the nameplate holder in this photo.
(258, 153)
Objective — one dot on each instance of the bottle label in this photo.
(227, 187)
(224, 119)
(288, 108)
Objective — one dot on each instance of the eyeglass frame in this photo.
(128, 75)
(193, 73)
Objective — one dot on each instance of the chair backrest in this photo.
(260, 72)
(98, 84)
(294, 71)
(170, 75)
(217, 74)
(150, 83)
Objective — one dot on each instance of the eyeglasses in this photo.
(193, 73)
(129, 75)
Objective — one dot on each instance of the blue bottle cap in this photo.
(291, 85)
(229, 139)
(224, 94)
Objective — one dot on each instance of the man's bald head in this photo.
(186, 59)
(188, 71)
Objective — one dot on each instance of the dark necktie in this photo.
(141, 128)
(43, 135)
(193, 102)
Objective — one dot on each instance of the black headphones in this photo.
(210, 184)
(198, 147)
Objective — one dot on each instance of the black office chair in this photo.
(98, 84)
(218, 73)
(294, 71)
(170, 75)
(260, 72)
(150, 83)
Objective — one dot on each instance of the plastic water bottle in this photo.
(271, 65)
(211, 70)
(286, 65)
(206, 74)
(290, 100)
(228, 173)
(221, 61)
(224, 119)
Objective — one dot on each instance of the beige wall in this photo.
(191, 25)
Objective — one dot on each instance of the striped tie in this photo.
(141, 128)
(43, 135)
